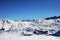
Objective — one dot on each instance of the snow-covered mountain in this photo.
(46, 26)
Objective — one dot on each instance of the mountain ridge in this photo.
(31, 27)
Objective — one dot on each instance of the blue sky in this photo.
(29, 9)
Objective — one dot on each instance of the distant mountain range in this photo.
(46, 26)
(54, 17)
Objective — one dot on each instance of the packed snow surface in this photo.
(40, 37)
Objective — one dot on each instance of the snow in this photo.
(40, 37)
(17, 30)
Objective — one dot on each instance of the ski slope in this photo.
(40, 37)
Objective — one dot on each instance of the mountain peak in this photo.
(54, 17)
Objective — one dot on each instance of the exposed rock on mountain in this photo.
(47, 26)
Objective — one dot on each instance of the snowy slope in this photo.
(26, 27)
(48, 27)
(40, 37)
